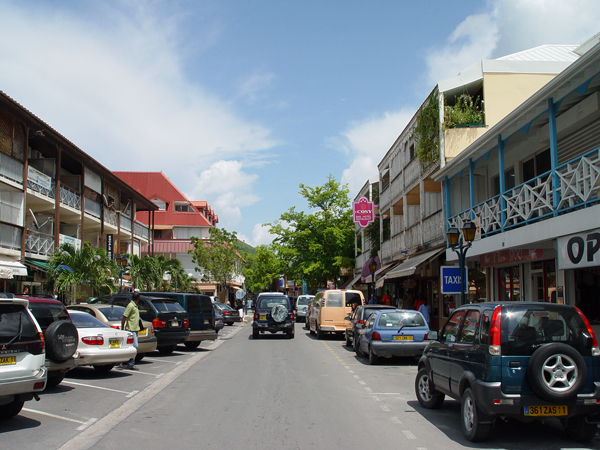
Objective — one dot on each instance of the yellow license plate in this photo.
(546, 411)
(114, 343)
(403, 338)
(8, 360)
(262, 317)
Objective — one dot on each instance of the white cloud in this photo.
(261, 235)
(253, 86)
(367, 143)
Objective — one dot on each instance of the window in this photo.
(162, 206)
(484, 329)
(183, 207)
(537, 165)
(469, 328)
(352, 297)
(509, 285)
(450, 330)
(509, 181)
(411, 152)
(193, 304)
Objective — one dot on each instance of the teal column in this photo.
(447, 200)
(502, 181)
(553, 154)
(471, 187)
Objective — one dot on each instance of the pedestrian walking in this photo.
(425, 310)
(131, 322)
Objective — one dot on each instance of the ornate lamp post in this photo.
(460, 244)
(372, 269)
(122, 263)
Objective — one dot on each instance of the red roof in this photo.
(157, 185)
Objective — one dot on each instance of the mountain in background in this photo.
(245, 247)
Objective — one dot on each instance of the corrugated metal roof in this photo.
(559, 53)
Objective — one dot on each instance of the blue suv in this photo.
(517, 360)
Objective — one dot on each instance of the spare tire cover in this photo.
(61, 340)
(556, 372)
(279, 313)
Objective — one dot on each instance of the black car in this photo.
(517, 360)
(171, 322)
(230, 315)
(274, 313)
(356, 322)
(201, 313)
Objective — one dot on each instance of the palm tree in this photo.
(88, 269)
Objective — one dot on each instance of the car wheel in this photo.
(167, 349)
(61, 340)
(425, 391)
(556, 372)
(139, 357)
(11, 409)
(191, 345)
(348, 341)
(473, 428)
(279, 313)
(255, 334)
(54, 380)
(578, 429)
(320, 334)
(373, 358)
(103, 368)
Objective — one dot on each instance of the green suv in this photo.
(525, 361)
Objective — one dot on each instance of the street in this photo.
(270, 393)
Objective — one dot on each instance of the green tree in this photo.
(217, 257)
(84, 272)
(315, 246)
(147, 273)
(261, 269)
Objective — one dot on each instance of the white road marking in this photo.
(384, 408)
(131, 394)
(68, 382)
(375, 398)
(357, 377)
(409, 434)
(68, 419)
(362, 382)
(368, 389)
(386, 393)
(348, 367)
(86, 424)
(350, 371)
(162, 360)
(395, 420)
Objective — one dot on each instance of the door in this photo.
(462, 354)
(440, 351)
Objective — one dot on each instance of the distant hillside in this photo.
(245, 247)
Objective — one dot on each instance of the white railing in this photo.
(433, 228)
(11, 168)
(110, 217)
(398, 245)
(528, 201)
(48, 191)
(38, 243)
(413, 236)
(92, 208)
(141, 230)
(412, 172)
(70, 198)
(386, 250)
(579, 180)
(384, 198)
(125, 223)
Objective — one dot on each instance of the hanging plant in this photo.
(427, 132)
(465, 111)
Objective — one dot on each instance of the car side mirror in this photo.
(432, 336)
(347, 318)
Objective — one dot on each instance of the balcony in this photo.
(39, 243)
(141, 231)
(70, 197)
(93, 208)
(577, 185)
(10, 237)
(11, 169)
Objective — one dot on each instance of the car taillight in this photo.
(116, 327)
(496, 332)
(292, 316)
(376, 336)
(595, 348)
(255, 315)
(186, 323)
(38, 385)
(151, 328)
(159, 323)
(361, 322)
(42, 339)
(93, 340)
(226, 313)
(130, 338)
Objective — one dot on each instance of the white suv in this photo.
(22, 357)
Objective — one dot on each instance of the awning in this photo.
(10, 268)
(366, 273)
(410, 265)
(379, 275)
(42, 265)
(163, 227)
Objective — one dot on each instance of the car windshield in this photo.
(302, 301)
(395, 319)
(223, 307)
(526, 327)
(113, 313)
(166, 305)
(335, 300)
(14, 320)
(270, 302)
(85, 320)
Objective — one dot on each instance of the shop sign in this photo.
(363, 212)
(510, 256)
(110, 243)
(450, 279)
(39, 178)
(579, 250)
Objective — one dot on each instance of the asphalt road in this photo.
(270, 393)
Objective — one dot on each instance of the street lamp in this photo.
(122, 263)
(373, 268)
(460, 244)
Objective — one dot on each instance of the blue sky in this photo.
(240, 101)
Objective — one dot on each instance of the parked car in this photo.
(201, 314)
(330, 309)
(22, 358)
(170, 320)
(274, 313)
(100, 345)
(301, 307)
(60, 336)
(219, 325)
(356, 322)
(230, 315)
(517, 360)
(111, 315)
(388, 333)
(310, 312)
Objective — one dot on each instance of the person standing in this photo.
(425, 310)
(131, 322)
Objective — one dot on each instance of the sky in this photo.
(240, 101)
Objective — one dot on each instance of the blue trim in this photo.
(471, 186)
(447, 199)
(553, 154)
(502, 181)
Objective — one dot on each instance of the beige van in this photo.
(329, 310)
